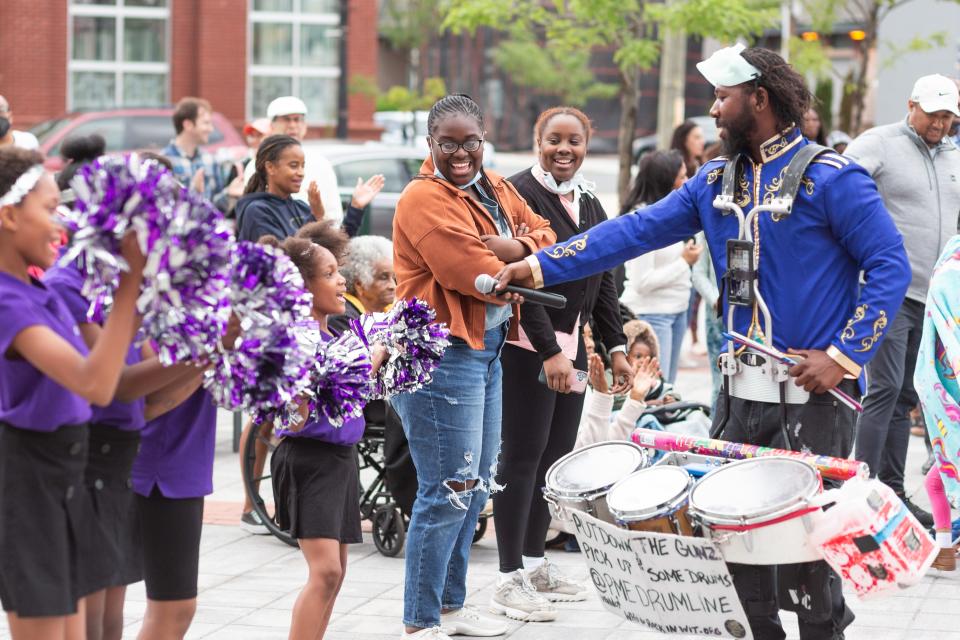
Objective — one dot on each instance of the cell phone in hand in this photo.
(578, 380)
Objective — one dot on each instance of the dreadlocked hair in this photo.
(789, 96)
(544, 118)
(456, 104)
(302, 253)
(269, 151)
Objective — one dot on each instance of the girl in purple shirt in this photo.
(314, 468)
(113, 443)
(48, 379)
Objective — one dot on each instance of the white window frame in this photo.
(118, 66)
(295, 71)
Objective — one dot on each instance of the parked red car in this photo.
(132, 130)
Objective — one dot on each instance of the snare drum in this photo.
(761, 510)
(581, 479)
(653, 499)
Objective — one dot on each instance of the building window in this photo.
(295, 50)
(118, 54)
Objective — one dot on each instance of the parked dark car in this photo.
(132, 130)
(397, 163)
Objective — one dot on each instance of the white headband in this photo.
(24, 185)
(728, 68)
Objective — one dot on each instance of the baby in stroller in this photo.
(652, 403)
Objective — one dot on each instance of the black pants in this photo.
(823, 426)
(539, 427)
(883, 434)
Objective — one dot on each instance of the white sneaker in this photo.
(467, 621)
(550, 583)
(433, 633)
(517, 599)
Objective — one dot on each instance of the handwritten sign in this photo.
(666, 583)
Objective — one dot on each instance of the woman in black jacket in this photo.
(540, 421)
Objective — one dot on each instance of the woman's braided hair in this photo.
(789, 96)
(453, 105)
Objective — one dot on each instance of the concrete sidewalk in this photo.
(248, 584)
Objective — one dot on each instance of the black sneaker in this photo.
(251, 523)
(922, 516)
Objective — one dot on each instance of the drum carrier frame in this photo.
(747, 374)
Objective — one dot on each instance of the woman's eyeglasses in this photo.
(451, 147)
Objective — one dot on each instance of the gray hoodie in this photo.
(921, 188)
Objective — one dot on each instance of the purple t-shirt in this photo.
(28, 398)
(321, 429)
(68, 283)
(176, 450)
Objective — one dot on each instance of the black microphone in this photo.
(486, 284)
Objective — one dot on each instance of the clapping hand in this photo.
(646, 377)
(198, 182)
(365, 192)
(597, 374)
(316, 204)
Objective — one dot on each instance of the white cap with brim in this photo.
(286, 106)
(727, 68)
(936, 93)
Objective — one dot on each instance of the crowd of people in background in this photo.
(502, 407)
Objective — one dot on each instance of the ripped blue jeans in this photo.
(453, 426)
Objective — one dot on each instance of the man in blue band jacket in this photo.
(809, 267)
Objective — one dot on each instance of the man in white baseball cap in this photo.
(937, 97)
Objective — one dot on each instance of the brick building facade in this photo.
(66, 55)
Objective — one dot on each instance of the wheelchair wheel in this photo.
(481, 528)
(259, 486)
(389, 530)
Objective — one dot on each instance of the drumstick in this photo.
(829, 467)
(785, 359)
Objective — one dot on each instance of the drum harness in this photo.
(749, 375)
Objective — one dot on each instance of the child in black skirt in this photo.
(48, 379)
(314, 468)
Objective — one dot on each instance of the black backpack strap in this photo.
(728, 186)
(797, 167)
(730, 177)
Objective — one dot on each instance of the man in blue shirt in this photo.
(808, 265)
(194, 167)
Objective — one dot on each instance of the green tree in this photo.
(868, 15)
(566, 31)
(409, 26)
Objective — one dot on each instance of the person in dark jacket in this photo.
(267, 207)
(540, 421)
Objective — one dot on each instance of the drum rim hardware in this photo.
(766, 517)
(588, 494)
(667, 508)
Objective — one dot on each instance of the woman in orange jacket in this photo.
(454, 222)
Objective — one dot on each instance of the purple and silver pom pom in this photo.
(184, 302)
(115, 194)
(267, 368)
(340, 382)
(416, 344)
